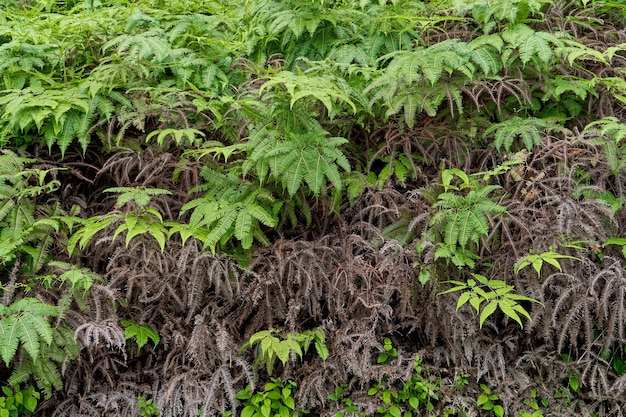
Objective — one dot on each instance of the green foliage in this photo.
(141, 220)
(390, 352)
(22, 235)
(18, 402)
(271, 347)
(140, 333)
(420, 391)
(620, 241)
(300, 86)
(512, 11)
(230, 207)
(609, 132)
(292, 109)
(616, 358)
(349, 407)
(527, 129)
(25, 321)
(462, 219)
(276, 399)
(147, 408)
(489, 401)
(496, 294)
(62, 115)
(537, 260)
(534, 404)
(310, 157)
(411, 82)
(138, 195)
(46, 368)
(531, 46)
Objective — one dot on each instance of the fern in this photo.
(138, 195)
(21, 233)
(25, 321)
(62, 115)
(309, 158)
(609, 132)
(229, 208)
(462, 219)
(512, 11)
(412, 80)
(300, 86)
(178, 134)
(536, 47)
(46, 369)
(140, 333)
(527, 129)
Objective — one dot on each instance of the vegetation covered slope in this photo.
(288, 207)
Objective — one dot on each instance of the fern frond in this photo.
(527, 129)
(309, 158)
(26, 322)
(536, 46)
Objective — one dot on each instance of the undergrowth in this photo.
(430, 194)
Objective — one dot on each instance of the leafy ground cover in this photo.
(333, 208)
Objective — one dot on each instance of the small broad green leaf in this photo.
(30, 404)
(141, 333)
(248, 411)
(395, 411)
(289, 402)
(482, 400)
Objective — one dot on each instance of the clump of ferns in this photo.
(375, 209)
(579, 303)
(152, 169)
(207, 372)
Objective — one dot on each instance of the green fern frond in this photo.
(323, 88)
(25, 322)
(412, 79)
(46, 368)
(145, 46)
(138, 195)
(527, 129)
(238, 210)
(462, 219)
(309, 158)
(609, 132)
(536, 46)
(486, 51)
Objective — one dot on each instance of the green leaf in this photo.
(488, 311)
(289, 402)
(248, 411)
(395, 411)
(464, 298)
(507, 307)
(140, 332)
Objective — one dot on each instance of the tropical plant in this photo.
(271, 347)
(496, 293)
(185, 175)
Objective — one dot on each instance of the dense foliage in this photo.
(323, 207)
